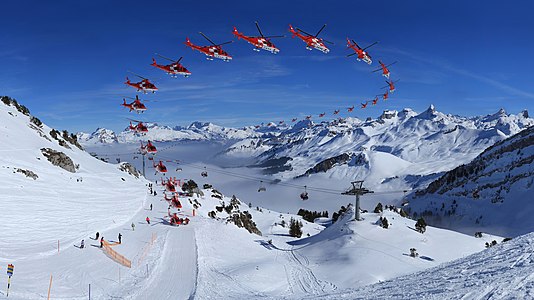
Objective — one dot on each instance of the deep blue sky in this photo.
(66, 60)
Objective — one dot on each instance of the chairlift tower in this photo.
(357, 190)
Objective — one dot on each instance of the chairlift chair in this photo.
(304, 195)
(261, 188)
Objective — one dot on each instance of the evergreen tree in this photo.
(378, 208)
(385, 223)
(295, 228)
(420, 225)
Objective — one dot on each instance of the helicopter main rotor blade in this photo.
(351, 54)
(304, 32)
(370, 45)
(179, 59)
(259, 30)
(164, 57)
(356, 44)
(391, 64)
(224, 43)
(207, 38)
(136, 74)
(328, 41)
(320, 30)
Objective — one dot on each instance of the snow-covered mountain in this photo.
(50, 186)
(99, 136)
(54, 194)
(492, 193)
(197, 131)
(416, 143)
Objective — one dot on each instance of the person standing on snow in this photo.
(150, 206)
(82, 244)
(147, 220)
(102, 242)
(97, 235)
(133, 226)
(120, 238)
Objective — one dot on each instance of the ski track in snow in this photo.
(176, 268)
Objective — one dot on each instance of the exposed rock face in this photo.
(327, 164)
(28, 173)
(59, 159)
(130, 169)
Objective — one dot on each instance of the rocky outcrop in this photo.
(130, 169)
(327, 164)
(59, 159)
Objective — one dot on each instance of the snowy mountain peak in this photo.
(429, 113)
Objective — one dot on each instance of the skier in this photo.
(133, 226)
(148, 220)
(82, 244)
(97, 235)
(120, 238)
(102, 242)
(155, 194)
(150, 206)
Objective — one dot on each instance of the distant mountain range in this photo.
(401, 148)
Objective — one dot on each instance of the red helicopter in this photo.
(136, 105)
(173, 69)
(294, 120)
(144, 85)
(176, 220)
(139, 128)
(281, 122)
(322, 115)
(312, 41)
(257, 126)
(391, 85)
(375, 100)
(336, 111)
(364, 105)
(259, 42)
(362, 55)
(173, 200)
(384, 68)
(170, 186)
(308, 117)
(214, 51)
(350, 109)
(148, 148)
(160, 167)
(385, 95)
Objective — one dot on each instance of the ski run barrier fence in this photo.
(116, 256)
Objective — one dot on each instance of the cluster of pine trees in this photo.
(310, 216)
(295, 228)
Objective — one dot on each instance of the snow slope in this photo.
(211, 258)
(491, 193)
(505, 271)
(71, 205)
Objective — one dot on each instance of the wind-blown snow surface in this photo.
(505, 271)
